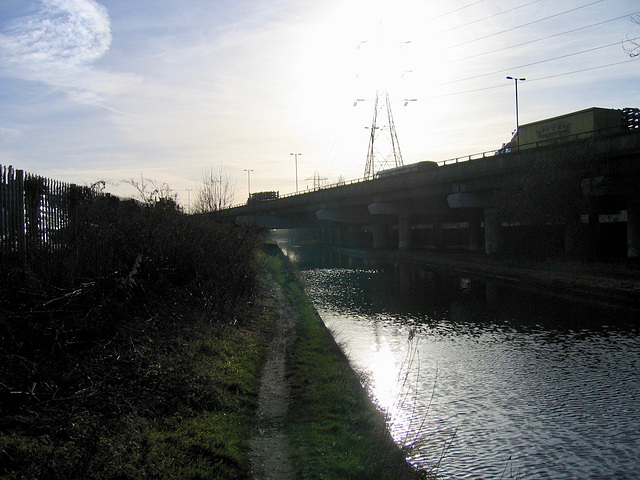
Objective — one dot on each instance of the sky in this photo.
(118, 89)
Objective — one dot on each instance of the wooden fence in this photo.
(36, 213)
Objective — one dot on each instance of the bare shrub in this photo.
(215, 191)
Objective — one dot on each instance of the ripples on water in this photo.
(489, 383)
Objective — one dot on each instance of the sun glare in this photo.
(350, 51)
(375, 45)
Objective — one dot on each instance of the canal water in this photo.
(480, 381)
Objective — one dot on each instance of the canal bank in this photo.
(609, 283)
(315, 419)
(497, 379)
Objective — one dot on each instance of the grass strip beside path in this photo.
(178, 403)
(335, 430)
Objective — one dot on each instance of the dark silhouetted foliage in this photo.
(98, 332)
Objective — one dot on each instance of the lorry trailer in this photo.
(594, 121)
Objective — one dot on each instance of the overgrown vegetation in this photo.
(335, 430)
(133, 349)
(119, 354)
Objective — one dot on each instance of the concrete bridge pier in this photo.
(437, 238)
(352, 234)
(479, 207)
(335, 235)
(492, 232)
(404, 232)
(475, 231)
(380, 236)
(326, 235)
(633, 230)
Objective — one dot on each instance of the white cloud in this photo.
(56, 43)
(9, 133)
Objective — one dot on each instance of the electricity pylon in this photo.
(317, 180)
(384, 148)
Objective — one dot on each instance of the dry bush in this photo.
(97, 332)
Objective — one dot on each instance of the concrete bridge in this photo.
(425, 202)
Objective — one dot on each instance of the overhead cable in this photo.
(456, 10)
(526, 24)
(533, 63)
(490, 16)
(541, 38)
(530, 80)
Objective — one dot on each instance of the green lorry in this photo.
(586, 123)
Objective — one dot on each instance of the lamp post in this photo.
(515, 81)
(189, 198)
(296, 156)
(248, 181)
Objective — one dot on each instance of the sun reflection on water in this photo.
(394, 374)
(384, 377)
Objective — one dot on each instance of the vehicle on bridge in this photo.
(587, 123)
(262, 197)
(411, 168)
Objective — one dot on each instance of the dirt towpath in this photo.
(269, 444)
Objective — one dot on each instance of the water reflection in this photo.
(482, 380)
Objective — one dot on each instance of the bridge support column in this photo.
(633, 230)
(380, 236)
(353, 235)
(404, 232)
(491, 231)
(438, 239)
(475, 231)
(338, 234)
(593, 237)
(329, 235)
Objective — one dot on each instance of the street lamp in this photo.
(296, 155)
(248, 181)
(189, 198)
(515, 81)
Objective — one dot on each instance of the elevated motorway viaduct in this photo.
(461, 193)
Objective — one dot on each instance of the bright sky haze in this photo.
(114, 89)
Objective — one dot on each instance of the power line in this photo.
(540, 39)
(581, 70)
(527, 24)
(328, 146)
(489, 17)
(533, 63)
(534, 41)
(330, 155)
(530, 80)
(456, 10)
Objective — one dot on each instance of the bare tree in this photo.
(631, 45)
(216, 191)
(149, 191)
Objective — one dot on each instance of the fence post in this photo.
(19, 213)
